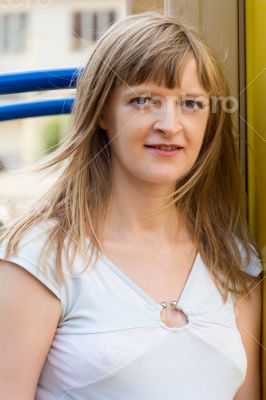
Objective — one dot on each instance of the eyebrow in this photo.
(133, 92)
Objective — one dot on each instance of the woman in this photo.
(139, 276)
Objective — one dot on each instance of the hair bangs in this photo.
(162, 72)
(165, 68)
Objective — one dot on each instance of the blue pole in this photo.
(36, 108)
(29, 81)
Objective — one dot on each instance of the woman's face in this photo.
(138, 117)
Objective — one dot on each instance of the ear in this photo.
(102, 123)
(102, 120)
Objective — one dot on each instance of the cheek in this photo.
(125, 143)
(129, 133)
(196, 130)
(121, 122)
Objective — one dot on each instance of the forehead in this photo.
(189, 84)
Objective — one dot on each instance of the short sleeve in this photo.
(28, 256)
(254, 267)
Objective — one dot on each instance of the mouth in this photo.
(164, 150)
(164, 146)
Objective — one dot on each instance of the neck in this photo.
(128, 215)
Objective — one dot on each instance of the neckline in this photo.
(137, 289)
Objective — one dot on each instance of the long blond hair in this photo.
(211, 196)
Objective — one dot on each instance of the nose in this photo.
(169, 120)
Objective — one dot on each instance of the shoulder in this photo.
(28, 255)
(254, 265)
(248, 311)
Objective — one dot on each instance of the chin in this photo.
(162, 180)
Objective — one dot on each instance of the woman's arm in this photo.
(29, 314)
(248, 317)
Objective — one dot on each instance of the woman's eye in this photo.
(140, 100)
(192, 104)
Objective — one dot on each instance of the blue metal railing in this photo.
(29, 81)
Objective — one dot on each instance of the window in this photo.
(90, 25)
(13, 32)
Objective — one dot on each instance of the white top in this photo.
(111, 344)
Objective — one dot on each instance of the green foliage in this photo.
(51, 135)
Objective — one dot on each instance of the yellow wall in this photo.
(256, 141)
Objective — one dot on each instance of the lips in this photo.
(164, 151)
(164, 146)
